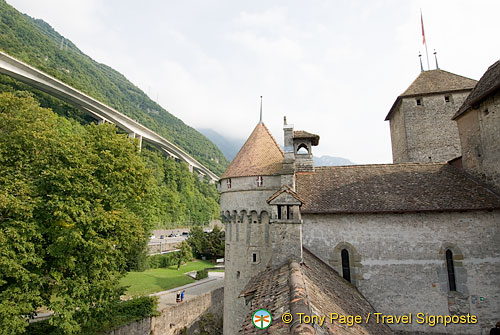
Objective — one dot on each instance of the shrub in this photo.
(161, 261)
(200, 274)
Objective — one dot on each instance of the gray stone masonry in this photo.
(479, 131)
(248, 240)
(426, 133)
(401, 262)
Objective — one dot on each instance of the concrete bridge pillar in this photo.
(190, 168)
(137, 136)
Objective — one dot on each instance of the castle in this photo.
(420, 235)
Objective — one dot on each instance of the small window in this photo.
(451, 271)
(446, 98)
(289, 213)
(419, 102)
(228, 183)
(254, 257)
(279, 212)
(302, 149)
(486, 112)
(260, 181)
(346, 270)
(237, 275)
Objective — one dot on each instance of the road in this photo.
(167, 298)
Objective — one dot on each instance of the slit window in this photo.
(451, 271)
(289, 213)
(228, 182)
(260, 181)
(346, 270)
(254, 257)
(279, 212)
(237, 275)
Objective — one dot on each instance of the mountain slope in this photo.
(228, 146)
(38, 44)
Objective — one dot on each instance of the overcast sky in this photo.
(333, 68)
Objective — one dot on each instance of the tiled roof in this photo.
(438, 81)
(488, 84)
(432, 82)
(314, 288)
(305, 134)
(383, 188)
(259, 156)
(284, 189)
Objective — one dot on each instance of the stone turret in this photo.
(251, 178)
(261, 211)
(420, 119)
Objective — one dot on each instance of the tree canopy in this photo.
(76, 203)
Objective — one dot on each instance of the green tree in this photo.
(209, 245)
(76, 205)
(184, 254)
(197, 241)
(215, 244)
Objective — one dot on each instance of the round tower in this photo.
(251, 178)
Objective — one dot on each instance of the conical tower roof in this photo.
(438, 81)
(259, 156)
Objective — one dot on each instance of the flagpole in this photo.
(424, 40)
(427, 55)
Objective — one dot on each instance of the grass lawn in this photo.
(156, 280)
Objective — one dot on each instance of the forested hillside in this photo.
(36, 43)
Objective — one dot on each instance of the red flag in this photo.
(422, 21)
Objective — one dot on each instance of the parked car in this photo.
(171, 235)
(162, 237)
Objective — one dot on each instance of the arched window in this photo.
(346, 270)
(228, 183)
(302, 149)
(451, 270)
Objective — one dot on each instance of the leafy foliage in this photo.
(182, 197)
(122, 312)
(209, 245)
(184, 254)
(76, 203)
(38, 44)
(211, 324)
(200, 274)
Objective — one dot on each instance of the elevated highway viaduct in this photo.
(103, 113)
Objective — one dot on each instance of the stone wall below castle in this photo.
(399, 264)
(174, 319)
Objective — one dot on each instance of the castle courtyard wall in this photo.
(398, 262)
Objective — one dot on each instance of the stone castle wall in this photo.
(398, 262)
(174, 319)
(428, 134)
(246, 216)
(479, 130)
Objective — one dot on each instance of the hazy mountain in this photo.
(331, 161)
(228, 146)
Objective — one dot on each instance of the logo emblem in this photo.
(262, 319)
